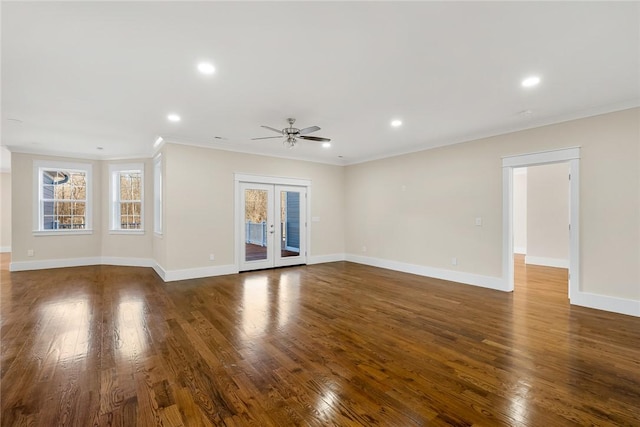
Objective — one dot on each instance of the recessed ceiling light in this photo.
(206, 68)
(100, 148)
(326, 144)
(531, 81)
(396, 123)
(173, 118)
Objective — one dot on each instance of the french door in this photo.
(273, 226)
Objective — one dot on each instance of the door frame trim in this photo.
(569, 155)
(239, 177)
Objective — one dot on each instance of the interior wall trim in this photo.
(545, 261)
(584, 299)
(198, 272)
(496, 283)
(570, 155)
(321, 259)
(79, 262)
(603, 302)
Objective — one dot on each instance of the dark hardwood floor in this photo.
(330, 344)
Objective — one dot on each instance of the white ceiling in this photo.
(82, 75)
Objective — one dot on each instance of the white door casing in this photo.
(570, 155)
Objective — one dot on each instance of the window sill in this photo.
(61, 232)
(127, 232)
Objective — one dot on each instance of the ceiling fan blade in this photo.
(273, 129)
(309, 130)
(314, 138)
(267, 137)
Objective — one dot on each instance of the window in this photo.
(157, 194)
(63, 197)
(126, 190)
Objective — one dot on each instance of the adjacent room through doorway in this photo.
(541, 227)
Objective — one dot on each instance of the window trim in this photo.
(157, 195)
(38, 207)
(114, 197)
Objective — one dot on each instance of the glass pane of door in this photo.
(271, 225)
(289, 223)
(255, 222)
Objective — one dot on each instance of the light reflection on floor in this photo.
(519, 403)
(288, 295)
(267, 305)
(255, 305)
(69, 321)
(131, 339)
(327, 400)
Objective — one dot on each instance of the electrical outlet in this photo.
(30, 252)
(454, 261)
(479, 221)
(212, 257)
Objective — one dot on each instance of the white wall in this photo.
(22, 207)
(415, 211)
(200, 181)
(520, 210)
(5, 212)
(98, 247)
(548, 215)
(446, 188)
(198, 215)
(122, 245)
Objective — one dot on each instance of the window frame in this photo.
(39, 166)
(115, 170)
(157, 195)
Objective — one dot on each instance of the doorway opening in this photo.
(571, 156)
(541, 223)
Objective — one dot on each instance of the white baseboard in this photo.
(438, 273)
(320, 259)
(128, 262)
(160, 271)
(602, 302)
(196, 273)
(165, 275)
(53, 263)
(5, 249)
(547, 262)
(79, 262)
(520, 250)
(221, 270)
(585, 299)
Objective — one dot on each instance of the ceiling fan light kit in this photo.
(292, 134)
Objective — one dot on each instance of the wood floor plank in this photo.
(336, 344)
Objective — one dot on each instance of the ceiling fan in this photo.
(292, 134)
